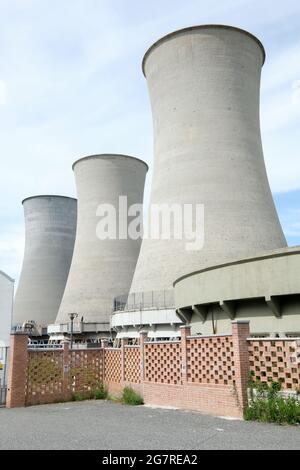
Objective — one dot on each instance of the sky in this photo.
(71, 85)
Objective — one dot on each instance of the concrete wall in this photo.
(50, 227)
(204, 86)
(263, 321)
(264, 290)
(101, 269)
(6, 301)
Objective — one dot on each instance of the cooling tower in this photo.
(102, 268)
(50, 228)
(204, 85)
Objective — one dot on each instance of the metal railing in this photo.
(45, 346)
(145, 300)
(86, 346)
(53, 346)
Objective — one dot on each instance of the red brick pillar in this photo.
(124, 342)
(143, 338)
(240, 333)
(17, 370)
(67, 370)
(185, 332)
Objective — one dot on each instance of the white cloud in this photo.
(296, 93)
(3, 92)
(280, 111)
(281, 68)
(11, 249)
(291, 222)
(280, 115)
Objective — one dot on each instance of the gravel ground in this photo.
(109, 426)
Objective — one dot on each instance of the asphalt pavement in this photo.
(110, 426)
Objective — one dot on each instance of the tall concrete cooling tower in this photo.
(50, 228)
(102, 268)
(204, 85)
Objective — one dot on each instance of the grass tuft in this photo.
(131, 397)
(101, 393)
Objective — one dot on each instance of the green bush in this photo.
(269, 406)
(100, 393)
(130, 397)
(77, 396)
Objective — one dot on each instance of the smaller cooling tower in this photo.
(102, 268)
(50, 228)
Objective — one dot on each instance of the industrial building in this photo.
(50, 229)
(101, 269)
(6, 304)
(204, 85)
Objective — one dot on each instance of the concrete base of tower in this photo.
(83, 333)
(159, 323)
(264, 290)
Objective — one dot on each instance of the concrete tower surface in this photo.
(101, 269)
(204, 85)
(50, 228)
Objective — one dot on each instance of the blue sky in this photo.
(71, 85)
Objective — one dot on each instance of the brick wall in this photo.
(163, 363)
(211, 361)
(207, 374)
(45, 378)
(112, 365)
(276, 360)
(132, 364)
(55, 375)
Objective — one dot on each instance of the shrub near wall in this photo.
(268, 404)
(131, 397)
(99, 392)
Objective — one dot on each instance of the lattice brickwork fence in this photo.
(163, 363)
(276, 361)
(112, 365)
(44, 376)
(132, 364)
(86, 370)
(208, 374)
(211, 360)
(51, 376)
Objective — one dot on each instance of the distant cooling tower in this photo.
(50, 227)
(204, 85)
(101, 268)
